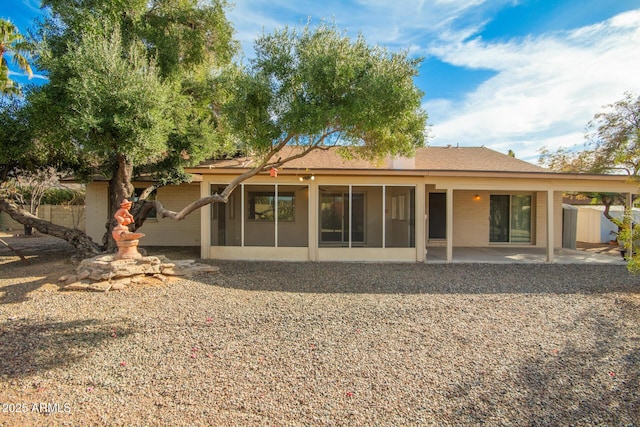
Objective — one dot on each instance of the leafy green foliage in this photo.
(59, 196)
(613, 143)
(629, 238)
(127, 78)
(615, 136)
(317, 87)
(13, 131)
(116, 103)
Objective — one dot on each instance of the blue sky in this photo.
(506, 74)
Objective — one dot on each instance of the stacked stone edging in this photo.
(105, 272)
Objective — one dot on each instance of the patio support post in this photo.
(449, 225)
(205, 222)
(314, 225)
(629, 243)
(420, 230)
(550, 226)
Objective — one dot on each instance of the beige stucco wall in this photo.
(166, 232)
(158, 232)
(471, 218)
(64, 215)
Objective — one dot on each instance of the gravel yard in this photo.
(306, 344)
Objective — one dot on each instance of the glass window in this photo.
(400, 217)
(225, 224)
(336, 226)
(510, 218)
(499, 218)
(262, 206)
(520, 219)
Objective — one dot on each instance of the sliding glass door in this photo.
(335, 224)
(510, 218)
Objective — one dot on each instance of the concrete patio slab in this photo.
(502, 255)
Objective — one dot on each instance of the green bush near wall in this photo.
(58, 196)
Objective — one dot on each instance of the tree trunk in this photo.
(77, 238)
(607, 202)
(120, 188)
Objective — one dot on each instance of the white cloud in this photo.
(547, 87)
(396, 24)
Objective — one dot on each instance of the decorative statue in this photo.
(122, 215)
(126, 240)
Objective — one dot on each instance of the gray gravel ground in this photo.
(306, 344)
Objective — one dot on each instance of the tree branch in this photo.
(75, 237)
(223, 197)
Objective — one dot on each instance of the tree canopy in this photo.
(612, 146)
(126, 91)
(313, 89)
(317, 86)
(138, 87)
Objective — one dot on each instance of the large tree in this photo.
(127, 86)
(612, 142)
(613, 146)
(314, 88)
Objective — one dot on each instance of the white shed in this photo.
(593, 227)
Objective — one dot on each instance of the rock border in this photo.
(105, 273)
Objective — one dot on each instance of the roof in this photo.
(463, 159)
(471, 159)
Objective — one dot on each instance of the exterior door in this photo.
(499, 218)
(437, 216)
(510, 218)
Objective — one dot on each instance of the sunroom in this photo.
(289, 221)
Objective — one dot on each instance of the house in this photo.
(322, 207)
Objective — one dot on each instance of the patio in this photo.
(532, 255)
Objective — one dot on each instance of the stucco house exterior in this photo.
(324, 208)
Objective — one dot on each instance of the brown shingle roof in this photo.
(463, 159)
(471, 159)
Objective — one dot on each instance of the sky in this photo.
(505, 74)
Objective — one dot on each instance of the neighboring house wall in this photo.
(158, 232)
(71, 216)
